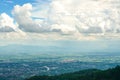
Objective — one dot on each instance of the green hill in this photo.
(90, 74)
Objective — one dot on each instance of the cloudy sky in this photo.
(59, 20)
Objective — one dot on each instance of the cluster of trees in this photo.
(91, 74)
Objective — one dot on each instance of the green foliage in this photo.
(91, 74)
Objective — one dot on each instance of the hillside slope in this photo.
(91, 74)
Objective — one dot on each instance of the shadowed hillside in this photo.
(91, 74)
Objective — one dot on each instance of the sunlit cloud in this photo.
(64, 19)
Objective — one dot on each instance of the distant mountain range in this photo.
(90, 74)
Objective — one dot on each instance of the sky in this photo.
(24, 21)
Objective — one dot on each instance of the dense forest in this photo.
(90, 74)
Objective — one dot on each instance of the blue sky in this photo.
(7, 5)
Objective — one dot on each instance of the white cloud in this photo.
(9, 29)
(6, 23)
(89, 16)
(22, 15)
(68, 19)
(83, 16)
(62, 28)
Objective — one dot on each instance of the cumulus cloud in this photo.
(81, 16)
(6, 23)
(87, 16)
(82, 19)
(22, 15)
(9, 29)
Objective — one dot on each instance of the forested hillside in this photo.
(91, 74)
